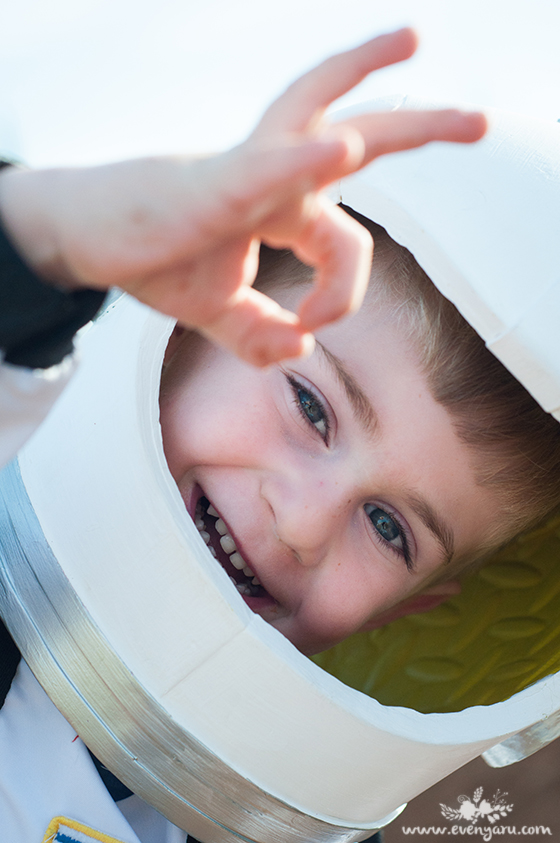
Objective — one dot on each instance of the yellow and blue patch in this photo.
(63, 830)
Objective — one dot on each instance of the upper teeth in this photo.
(236, 560)
(221, 527)
(227, 544)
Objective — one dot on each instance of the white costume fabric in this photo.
(46, 772)
(26, 396)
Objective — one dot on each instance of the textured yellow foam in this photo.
(500, 635)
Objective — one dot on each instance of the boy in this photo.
(398, 454)
(338, 481)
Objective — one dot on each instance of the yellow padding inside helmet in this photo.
(501, 634)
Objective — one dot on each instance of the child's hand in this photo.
(182, 235)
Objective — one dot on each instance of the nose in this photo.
(308, 509)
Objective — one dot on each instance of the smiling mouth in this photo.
(223, 548)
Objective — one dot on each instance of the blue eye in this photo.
(384, 524)
(311, 408)
(390, 531)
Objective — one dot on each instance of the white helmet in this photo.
(138, 635)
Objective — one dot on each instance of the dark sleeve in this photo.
(38, 321)
(9, 660)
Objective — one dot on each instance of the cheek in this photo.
(174, 434)
(181, 416)
(344, 599)
(217, 415)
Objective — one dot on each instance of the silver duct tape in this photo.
(525, 743)
(114, 714)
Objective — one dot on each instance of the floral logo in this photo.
(477, 807)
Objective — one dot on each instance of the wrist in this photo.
(27, 213)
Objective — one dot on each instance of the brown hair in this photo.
(516, 444)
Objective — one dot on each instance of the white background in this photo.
(85, 81)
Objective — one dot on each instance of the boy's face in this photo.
(340, 480)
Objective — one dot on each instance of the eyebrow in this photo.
(366, 415)
(435, 525)
(360, 403)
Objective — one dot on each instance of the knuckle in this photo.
(364, 239)
(236, 204)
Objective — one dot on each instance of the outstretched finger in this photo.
(305, 101)
(392, 131)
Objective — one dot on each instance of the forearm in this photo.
(37, 320)
(182, 235)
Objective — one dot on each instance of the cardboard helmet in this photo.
(137, 633)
